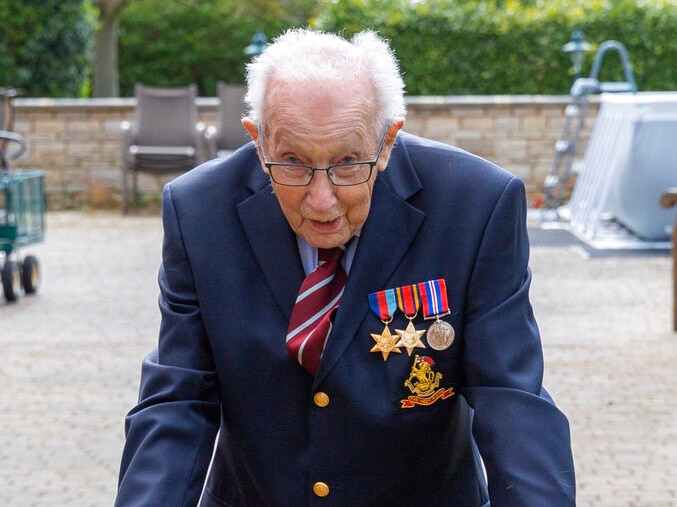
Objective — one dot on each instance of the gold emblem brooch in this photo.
(423, 382)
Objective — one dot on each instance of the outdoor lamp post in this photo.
(576, 48)
(258, 45)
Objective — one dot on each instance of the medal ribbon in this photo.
(434, 298)
(408, 300)
(383, 304)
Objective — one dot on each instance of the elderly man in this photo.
(344, 307)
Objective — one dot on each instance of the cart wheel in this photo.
(30, 274)
(11, 280)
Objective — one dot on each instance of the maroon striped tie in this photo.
(319, 296)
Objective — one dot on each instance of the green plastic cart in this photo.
(22, 223)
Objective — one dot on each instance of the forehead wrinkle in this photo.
(321, 149)
(286, 98)
(320, 117)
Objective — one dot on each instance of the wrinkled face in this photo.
(322, 126)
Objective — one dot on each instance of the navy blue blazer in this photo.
(230, 274)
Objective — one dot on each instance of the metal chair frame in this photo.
(163, 138)
(7, 135)
(221, 141)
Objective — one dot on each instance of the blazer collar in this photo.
(272, 240)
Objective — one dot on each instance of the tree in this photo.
(45, 47)
(173, 43)
(105, 73)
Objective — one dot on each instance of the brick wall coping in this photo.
(77, 142)
(212, 102)
(486, 100)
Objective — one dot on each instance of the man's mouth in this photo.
(327, 224)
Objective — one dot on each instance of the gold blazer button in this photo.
(320, 489)
(321, 399)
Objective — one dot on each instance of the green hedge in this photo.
(445, 47)
(172, 43)
(45, 47)
(456, 47)
(451, 47)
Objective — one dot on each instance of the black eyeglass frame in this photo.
(328, 169)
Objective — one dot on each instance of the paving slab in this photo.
(71, 361)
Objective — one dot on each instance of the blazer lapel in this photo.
(273, 243)
(384, 241)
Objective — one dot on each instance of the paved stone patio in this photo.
(71, 359)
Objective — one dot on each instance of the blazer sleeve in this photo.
(521, 435)
(170, 433)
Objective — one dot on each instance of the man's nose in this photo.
(321, 191)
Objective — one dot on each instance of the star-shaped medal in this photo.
(410, 338)
(385, 343)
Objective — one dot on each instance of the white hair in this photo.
(307, 56)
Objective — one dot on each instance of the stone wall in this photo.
(78, 142)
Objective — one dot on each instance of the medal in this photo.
(385, 343)
(384, 304)
(440, 335)
(409, 302)
(435, 305)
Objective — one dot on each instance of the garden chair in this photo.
(221, 141)
(164, 136)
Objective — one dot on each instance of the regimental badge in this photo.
(424, 383)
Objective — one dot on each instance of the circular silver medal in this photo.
(440, 335)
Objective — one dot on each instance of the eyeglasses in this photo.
(341, 175)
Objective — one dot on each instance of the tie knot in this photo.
(330, 254)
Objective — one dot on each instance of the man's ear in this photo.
(393, 129)
(251, 127)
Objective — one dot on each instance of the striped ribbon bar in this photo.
(408, 300)
(383, 304)
(434, 298)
